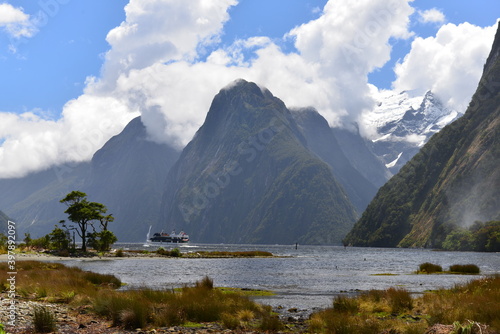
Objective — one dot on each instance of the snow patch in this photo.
(394, 162)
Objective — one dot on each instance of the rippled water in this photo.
(303, 278)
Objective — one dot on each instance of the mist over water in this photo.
(305, 278)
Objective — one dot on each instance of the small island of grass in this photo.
(457, 269)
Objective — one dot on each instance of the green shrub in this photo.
(161, 251)
(175, 252)
(465, 268)
(43, 320)
(119, 253)
(430, 268)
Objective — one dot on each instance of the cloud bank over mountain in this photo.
(166, 63)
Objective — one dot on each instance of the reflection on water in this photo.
(304, 278)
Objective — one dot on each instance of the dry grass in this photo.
(54, 282)
(475, 301)
(141, 308)
(395, 311)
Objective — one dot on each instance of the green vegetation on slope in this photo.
(453, 178)
(248, 177)
(480, 237)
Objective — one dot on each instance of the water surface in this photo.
(305, 278)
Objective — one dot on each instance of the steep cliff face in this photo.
(322, 141)
(127, 175)
(453, 180)
(3, 222)
(248, 176)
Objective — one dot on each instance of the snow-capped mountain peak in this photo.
(404, 122)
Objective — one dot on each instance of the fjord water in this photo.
(305, 278)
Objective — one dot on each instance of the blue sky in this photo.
(67, 65)
(50, 69)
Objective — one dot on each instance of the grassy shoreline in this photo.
(123, 254)
(473, 305)
(95, 294)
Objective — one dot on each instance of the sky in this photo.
(74, 73)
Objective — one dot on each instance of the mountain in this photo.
(248, 176)
(127, 175)
(453, 181)
(33, 201)
(404, 123)
(322, 141)
(3, 222)
(358, 150)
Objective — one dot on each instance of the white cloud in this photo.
(449, 64)
(336, 53)
(34, 143)
(350, 40)
(157, 31)
(156, 67)
(154, 32)
(432, 15)
(15, 22)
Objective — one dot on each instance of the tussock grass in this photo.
(465, 269)
(395, 311)
(399, 300)
(44, 320)
(343, 304)
(200, 303)
(230, 321)
(245, 315)
(102, 279)
(430, 268)
(55, 282)
(141, 308)
(475, 301)
(271, 323)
